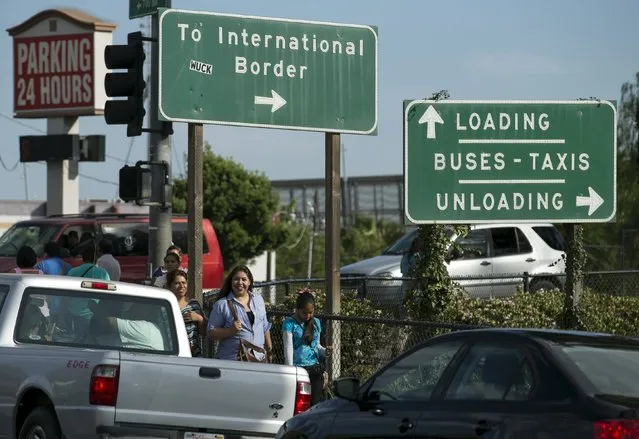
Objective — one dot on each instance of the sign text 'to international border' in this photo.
(509, 161)
(267, 72)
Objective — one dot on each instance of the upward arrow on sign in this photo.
(430, 118)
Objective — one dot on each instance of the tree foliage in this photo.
(240, 204)
(364, 239)
(611, 245)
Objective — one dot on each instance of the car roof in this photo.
(74, 284)
(550, 335)
(66, 219)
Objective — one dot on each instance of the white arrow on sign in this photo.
(593, 201)
(430, 118)
(276, 101)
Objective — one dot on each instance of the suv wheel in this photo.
(543, 285)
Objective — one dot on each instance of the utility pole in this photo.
(160, 227)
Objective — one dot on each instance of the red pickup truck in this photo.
(128, 232)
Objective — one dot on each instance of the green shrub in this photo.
(611, 314)
(595, 313)
(363, 345)
(542, 310)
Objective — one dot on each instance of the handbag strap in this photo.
(229, 302)
(87, 270)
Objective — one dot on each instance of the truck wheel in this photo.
(40, 424)
(544, 284)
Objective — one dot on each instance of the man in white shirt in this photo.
(139, 334)
(107, 261)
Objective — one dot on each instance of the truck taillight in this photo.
(302, 397)
(104, 385)
(617, 429)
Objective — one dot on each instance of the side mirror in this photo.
(346, 388)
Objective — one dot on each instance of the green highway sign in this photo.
(510, 161)
(267, 72)
(140, 8)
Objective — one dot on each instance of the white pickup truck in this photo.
(83, 358)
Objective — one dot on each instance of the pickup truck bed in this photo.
(76, 386)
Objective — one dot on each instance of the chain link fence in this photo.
(387, 294)
(364, 344)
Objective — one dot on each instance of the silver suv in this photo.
(492, 262)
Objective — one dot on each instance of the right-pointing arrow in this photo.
(593, 201)
(276, 101)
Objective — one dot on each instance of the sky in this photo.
(489, 49)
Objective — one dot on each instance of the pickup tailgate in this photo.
(181, 393)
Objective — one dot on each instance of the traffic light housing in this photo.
(135, 184)
(129, 84)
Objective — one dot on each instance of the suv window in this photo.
(33, 235)
(180, 238)
(474, 245)
(90, 319)
(82, 233)
(509, 241)
(132, 239)
(551, 236)
(414, 377)
(4, 290)
(129, 239)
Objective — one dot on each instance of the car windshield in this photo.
(33, 235)
(402, 245)
(612, 369)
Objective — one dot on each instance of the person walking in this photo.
(53, 264)
(172, 262)
(239, 314)
(301, 334)
(89, 268)
(26, 260)
(107, 261)
(192, 313)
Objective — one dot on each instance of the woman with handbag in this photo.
(238, 320)
(302, 346)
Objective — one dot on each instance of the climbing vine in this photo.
(575, 264)
(432, 290)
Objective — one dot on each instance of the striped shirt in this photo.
(193, 328)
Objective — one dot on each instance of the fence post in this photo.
(526, 282)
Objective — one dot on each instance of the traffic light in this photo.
(135, 184)
(129, 84)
